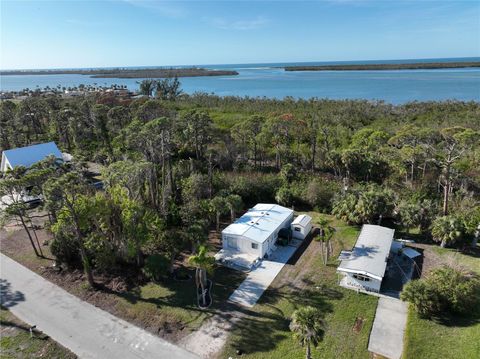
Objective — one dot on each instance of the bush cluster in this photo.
(444, 290)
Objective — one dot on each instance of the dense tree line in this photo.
(176, 164)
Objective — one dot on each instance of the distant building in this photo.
(27, 156)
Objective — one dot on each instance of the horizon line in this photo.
(233, 64)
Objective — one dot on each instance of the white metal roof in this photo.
(302, 220)
(410, 252)
(369, 256)
(259, 222)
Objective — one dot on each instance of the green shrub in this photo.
(65, 249)
(319, 194)
(254, 187)
(156, 266)
(363, 204)
(444, 290)
(422, 296)
(284, 196)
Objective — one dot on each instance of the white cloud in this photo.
(80, 22)
(164, 8)
(251, 24)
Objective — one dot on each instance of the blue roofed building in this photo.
(27, 156)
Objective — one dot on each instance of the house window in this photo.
(255, 245)
(362, 278)
(297, 229)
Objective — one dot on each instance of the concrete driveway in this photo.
(212, 335)
(259, 279)
(388, 328)
(86, 330)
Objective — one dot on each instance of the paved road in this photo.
(388, 328)
(86, 330)
(259, 279)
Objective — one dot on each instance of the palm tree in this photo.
(235, 204)
(196, 234)
(307, 327)
(203, 263)
(326, 234)
(447, 229)
(219, 207)
(147, 87)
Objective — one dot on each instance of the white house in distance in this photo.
(301, 226)
(253, 235)
(364, 267)
(27, 156)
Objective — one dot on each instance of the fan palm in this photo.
(203, 263)
(235, 204)
(307, 327)
(447, 229)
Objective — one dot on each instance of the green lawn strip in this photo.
(468, 261)
(265, 333)
(173, 304)
(430, 339)
(15, 341)
(457, 337)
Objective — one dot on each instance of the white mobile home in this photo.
(364, 267)
(301, 226)
(253, 236)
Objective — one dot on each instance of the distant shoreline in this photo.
(375, 67)
(128, 73)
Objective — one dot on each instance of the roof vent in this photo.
(257, 224)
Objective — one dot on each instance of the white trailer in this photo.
(301, 226)
(364, 267)
(253, 236)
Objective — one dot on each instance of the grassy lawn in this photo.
(15, 341)
(171, 307)
(452, 255)
(453, 337)
(348, 316)
(456, 338)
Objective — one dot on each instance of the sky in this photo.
(110, 33)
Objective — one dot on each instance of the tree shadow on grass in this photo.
(470, 251)
(261, 329)
(458, 320)
(182, 294)
(21, 327)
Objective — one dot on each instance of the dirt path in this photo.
(209, 340)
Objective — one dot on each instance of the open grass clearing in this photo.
(15, 341)
(447, 338)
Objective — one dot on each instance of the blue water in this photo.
(397, 86)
